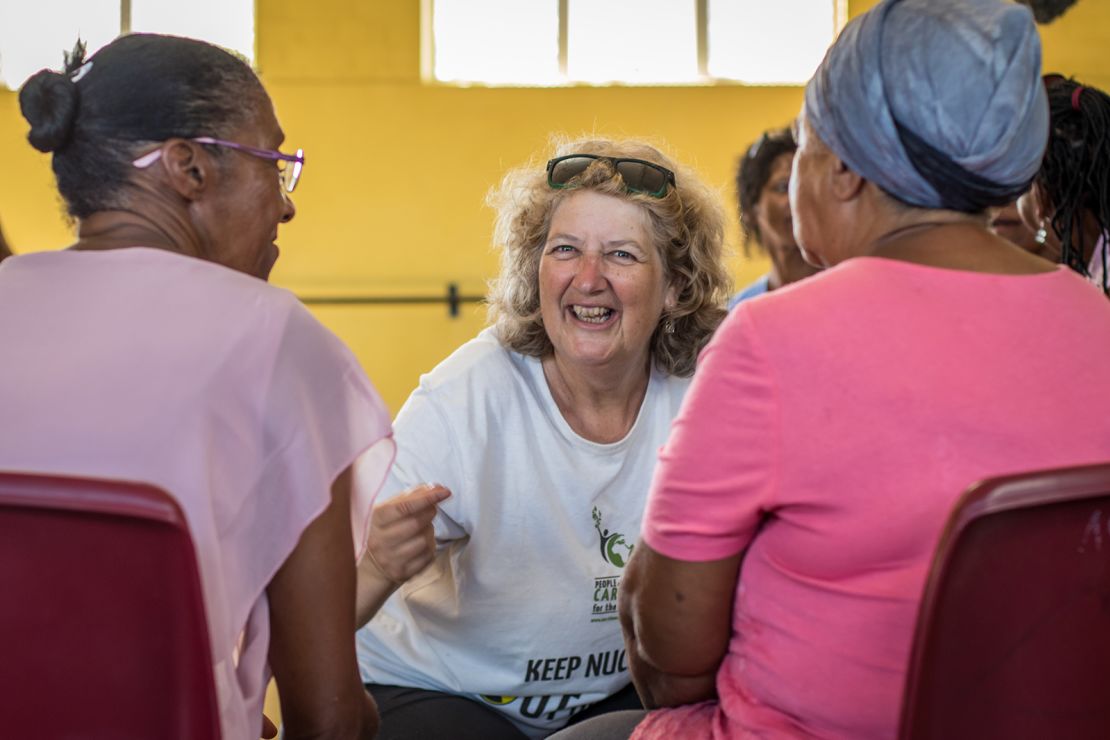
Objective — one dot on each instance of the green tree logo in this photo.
(612, 545)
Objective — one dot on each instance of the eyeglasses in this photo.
(639, 176)
(290, 173)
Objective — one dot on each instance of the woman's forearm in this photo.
(659, 689)
(676, 617)
(372, 591)
(401, 544)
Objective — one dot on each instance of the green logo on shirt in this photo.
(614, 549)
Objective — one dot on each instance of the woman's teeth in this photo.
(592, 314)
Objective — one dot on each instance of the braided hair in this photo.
(1074, 177)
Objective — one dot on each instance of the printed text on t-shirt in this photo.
(605, 663)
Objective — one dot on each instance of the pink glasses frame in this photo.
(290, 175)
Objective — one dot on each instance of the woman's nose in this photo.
(591, 273)
(288, 210)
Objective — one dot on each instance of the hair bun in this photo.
(49, 103)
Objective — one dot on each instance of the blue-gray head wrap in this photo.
(938, 102)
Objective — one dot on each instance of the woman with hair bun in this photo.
(153, 350)
(831, 427)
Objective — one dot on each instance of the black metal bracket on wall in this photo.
(452, 298)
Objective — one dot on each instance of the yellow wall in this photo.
(397, 171)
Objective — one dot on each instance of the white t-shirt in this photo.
(520, 608)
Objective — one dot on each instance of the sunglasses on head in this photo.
(639, 176)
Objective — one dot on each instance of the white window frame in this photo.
(125, 28)
(839, 9)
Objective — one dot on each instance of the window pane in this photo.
(496, 41)
(33, 35)
(226, 23)
(632, 41)
(767, 43)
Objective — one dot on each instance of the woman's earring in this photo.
(1041, 235)
(668, 325)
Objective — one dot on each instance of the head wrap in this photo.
(938, 102)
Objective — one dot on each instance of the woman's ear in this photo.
(845, 183)
(670, 296)
(1042, 206)
(188, 168)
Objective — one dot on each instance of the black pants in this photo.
(419, 714)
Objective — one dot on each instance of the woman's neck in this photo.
(956, 242)
(117, 229)
(599, 404)
(787, 266)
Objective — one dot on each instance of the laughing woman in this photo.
(545, 429)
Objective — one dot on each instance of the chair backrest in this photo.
(102, 622)
(1013, 634)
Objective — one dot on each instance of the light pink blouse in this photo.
(145, 365)
(829, 429)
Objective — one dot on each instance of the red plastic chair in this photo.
(102, 622)
(1013, 635)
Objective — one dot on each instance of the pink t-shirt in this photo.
(145, 365)
(828, 432)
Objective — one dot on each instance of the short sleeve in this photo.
(427, 453)
(716, 475)
(321, 414)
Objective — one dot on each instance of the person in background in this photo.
(762, 180)
(1069, 203)
(153, 350)
(827, 465)
(545, 429)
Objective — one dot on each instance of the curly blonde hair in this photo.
(687, 226)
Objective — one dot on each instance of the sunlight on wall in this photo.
(636, 42)
(470, 45)
(33, 35)
(226, 23)
(32, 38)
(767, 43)
(631, 41)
